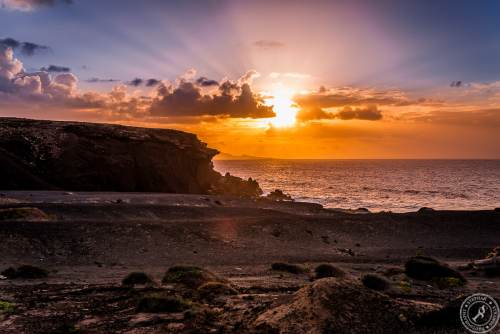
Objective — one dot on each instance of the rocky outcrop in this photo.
(54, 155)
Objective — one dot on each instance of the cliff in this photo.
(102, 157)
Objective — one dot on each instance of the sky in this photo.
(295, 79)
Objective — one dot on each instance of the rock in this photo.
(426, 269)
(445, 316)
(279, 195)
(490, 266)
(375, 282)
(47, 155)
(287, 267)
(25, 272)
(340, 306)
(190, 276)
(137, 278)
(327, 270)
(426, 210)
(393, 271)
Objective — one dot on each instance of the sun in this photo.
(283, 106)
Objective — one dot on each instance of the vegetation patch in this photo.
(23, 213)
(7, 307)
(375, 282)
(190, 276)
(161, 304)
(25, 272)
(427, 269)
(288, 267)
(137, 278)
(327, 270)
(449, 282)
(213, 289)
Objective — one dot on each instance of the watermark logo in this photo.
(479, 313)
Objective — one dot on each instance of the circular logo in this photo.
(479, 313)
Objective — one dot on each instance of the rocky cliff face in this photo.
(101, 157)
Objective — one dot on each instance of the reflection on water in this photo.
(397, 185)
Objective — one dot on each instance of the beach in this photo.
(88, 242)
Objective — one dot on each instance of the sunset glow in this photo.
(282, 101)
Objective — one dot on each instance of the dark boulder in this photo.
(375, 282)
(45, 155)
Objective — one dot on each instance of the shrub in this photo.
(160, 304)
(137, 278)
(375, 282)
(213, 289)
(23, 213)
(7, 307)
(190, 276)
(448, 282)
(25, 272)
(327, 270)
(287, 267)
(427, 268)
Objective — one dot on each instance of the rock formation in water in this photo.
(50, 155)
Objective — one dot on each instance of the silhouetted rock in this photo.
(427, 268)
(425, 210)
(279, 195)
(49, 155)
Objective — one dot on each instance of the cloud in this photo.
(40, 85)
(349, 96)
(26, 48)
(152, 82)
(204, 82)
(98, 80)
(370, 113)
(456, 84)
(147, 82)
(266, 44)
(135, 82)
(233, 99)
(29, 5)
(56, 69)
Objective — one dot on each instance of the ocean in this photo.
(378, 185)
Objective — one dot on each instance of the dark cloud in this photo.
(268, 44)
(147, 82)
(205, 82)
(370, 113)
(347, 96)
(152, 82)
(456, 84)
(135, 82)
(232, 100)
(28, 5)
(26, 48)
(56, 69)
(97, 80)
